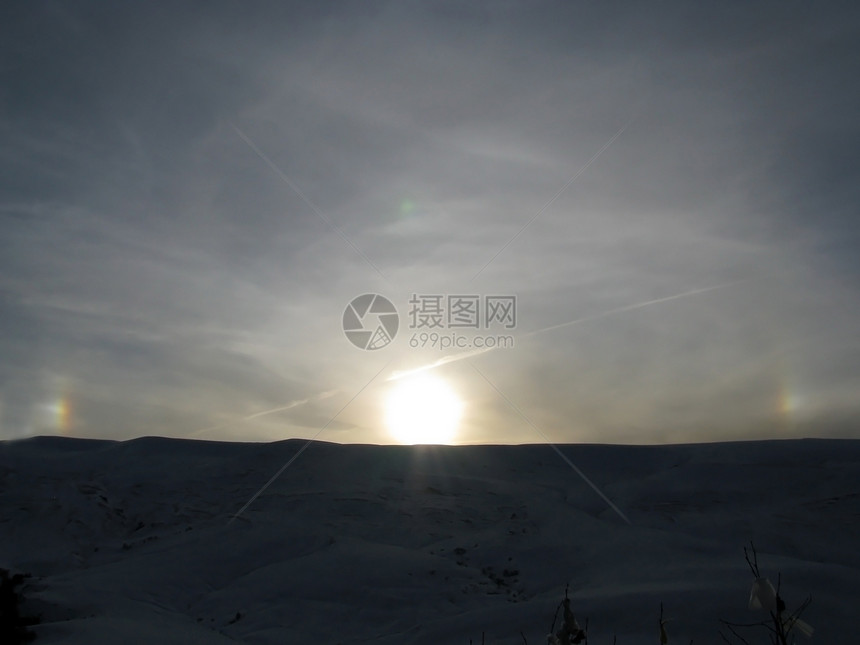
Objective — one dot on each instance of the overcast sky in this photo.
(192, 194)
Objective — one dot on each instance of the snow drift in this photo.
(130, 542)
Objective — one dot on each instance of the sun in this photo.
(423, 409)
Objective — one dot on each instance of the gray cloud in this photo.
(158, 277)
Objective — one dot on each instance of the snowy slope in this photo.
(129, 542)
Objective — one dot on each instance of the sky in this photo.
(667, 194)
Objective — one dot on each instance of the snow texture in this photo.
(131, 542)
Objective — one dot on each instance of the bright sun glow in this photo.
(423, 410)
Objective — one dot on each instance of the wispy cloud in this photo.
(174, 273)
(262, 413)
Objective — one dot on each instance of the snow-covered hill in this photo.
(130, 542)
